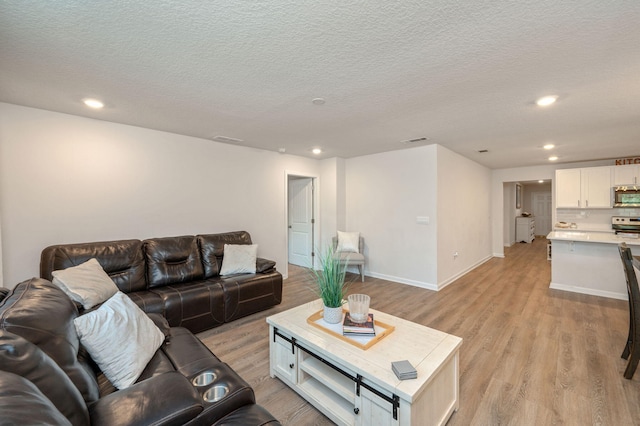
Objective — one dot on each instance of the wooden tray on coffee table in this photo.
(362, 342)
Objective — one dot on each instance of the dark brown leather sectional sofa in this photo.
(177, 276)
(46, 376)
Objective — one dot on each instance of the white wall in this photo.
(67, 179)
(464, 212)
(332, 196)
(385, 194)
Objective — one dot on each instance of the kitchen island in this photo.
(589, 262)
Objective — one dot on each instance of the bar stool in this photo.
(632, 348)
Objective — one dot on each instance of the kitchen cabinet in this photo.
(525, 229)
(588, 187)
(626, 175)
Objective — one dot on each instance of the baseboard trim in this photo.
(589, 291)
(395, 279)
(466, 271)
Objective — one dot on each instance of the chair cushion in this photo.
(350, 257)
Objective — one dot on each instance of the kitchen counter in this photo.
(593, 236)
(589, 262)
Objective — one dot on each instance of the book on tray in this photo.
(351, 328)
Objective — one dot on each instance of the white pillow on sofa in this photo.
(120, 338)
(87, 283)
(239, 259)
(348, 242)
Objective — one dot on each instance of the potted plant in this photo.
(329, 283)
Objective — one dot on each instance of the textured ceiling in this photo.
(462, 73)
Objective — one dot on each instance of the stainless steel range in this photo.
(625, 225)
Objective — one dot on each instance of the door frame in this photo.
(315, 229)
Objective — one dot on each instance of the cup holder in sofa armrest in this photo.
(215, 393)
(204, 379)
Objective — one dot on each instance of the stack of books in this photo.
(404, 370)
(351, 328)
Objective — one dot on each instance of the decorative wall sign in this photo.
(623, 161)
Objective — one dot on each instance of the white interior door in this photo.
(541, 202)
(300, 221)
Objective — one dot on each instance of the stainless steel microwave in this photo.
(626, 196)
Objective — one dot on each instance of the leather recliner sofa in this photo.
(46, 376)
(177, 277)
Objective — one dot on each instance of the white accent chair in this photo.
(351, 258)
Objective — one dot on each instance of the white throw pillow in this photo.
(120, 338)
(349, 241)
(239, 259)
(87, 283)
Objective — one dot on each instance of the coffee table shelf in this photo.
(353, 386)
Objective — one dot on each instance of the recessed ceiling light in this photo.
(316, 151)
(549, 146)
(93, 103)
(540, 181)
(546, 100)
(553, 158)
(318, 101)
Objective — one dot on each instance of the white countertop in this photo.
(592, 237)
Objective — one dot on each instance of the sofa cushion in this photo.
(212, 249)
(172, 260)
(167, 399)
(187, 353)
(120, 338)
(251, 414)
(122, 260)
(264, 265)
(197, 305)
(27, 312)
(86, 283)
(19, 396)
(247, 294)
(21, 357)
(239, 259)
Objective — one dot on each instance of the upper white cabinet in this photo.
(583, 188)
(626, 175)
(568, 188)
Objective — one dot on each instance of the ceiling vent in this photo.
(416, 140)
(482, 151)
(226, 139)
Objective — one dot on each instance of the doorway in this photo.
(541, 208)
(300, 220)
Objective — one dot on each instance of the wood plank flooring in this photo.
(530, 356)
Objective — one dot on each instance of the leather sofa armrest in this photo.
(167, 399)
(160, 322)
(263, 265)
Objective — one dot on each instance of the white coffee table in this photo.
(353, 386)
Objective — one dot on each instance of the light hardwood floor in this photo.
(530, 356)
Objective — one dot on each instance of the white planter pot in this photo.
(332, 315)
